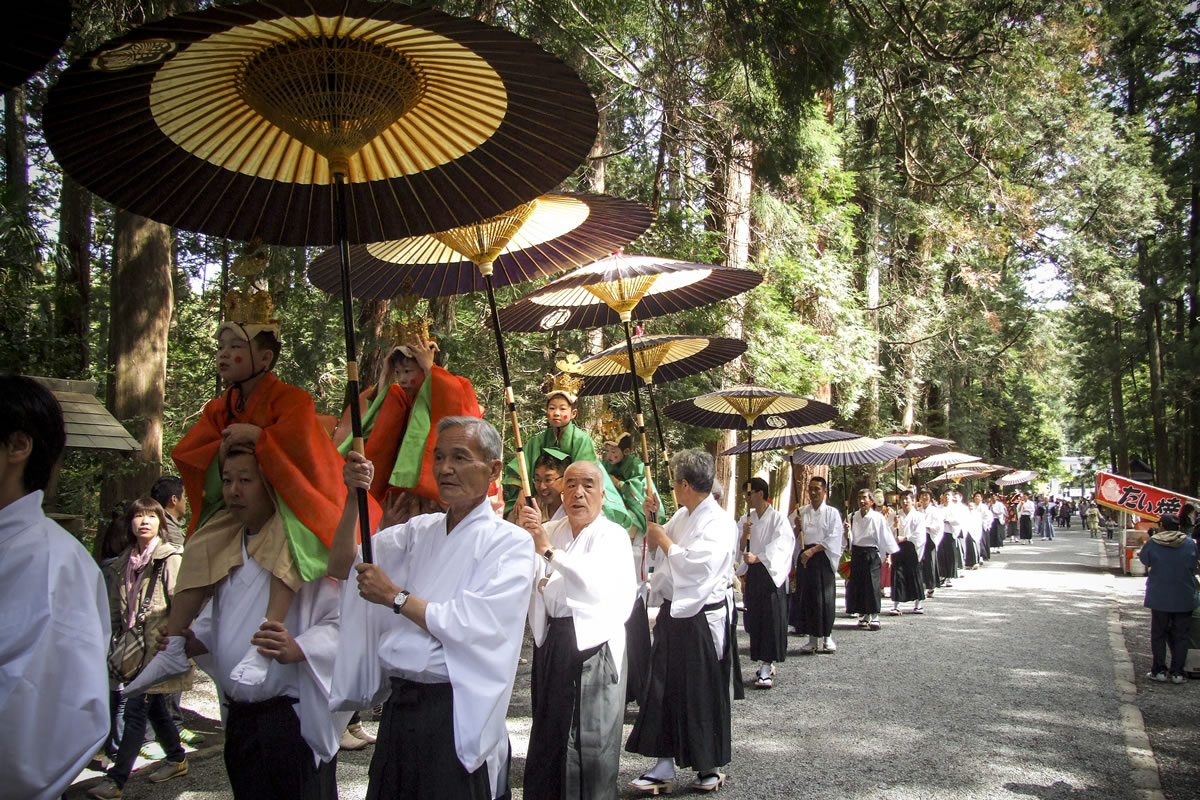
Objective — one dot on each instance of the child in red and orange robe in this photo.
(401, 417)
(278, 423)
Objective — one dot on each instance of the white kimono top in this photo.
(1000, 512)
(589, 580)
(476, 581)
(912, 527)
(823, 525)
(698, 565)
(871, 530)
(933, 523)
(54, 632)
(772, 540)
(226, 625)
(973, 525)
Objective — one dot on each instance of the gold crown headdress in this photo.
(249, 308)
(409, 327)
(611, 430)
(566, 382)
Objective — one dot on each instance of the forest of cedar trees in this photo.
(975, 219)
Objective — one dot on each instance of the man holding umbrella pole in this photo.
(816, 588)
(685, 718)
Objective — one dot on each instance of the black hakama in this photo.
(972, 558)
(996, 535)
(686, 713)
(907, 586)
(578, 707)
(766, 614)
(266, 756)
(929, 573)
(815, 600)
(947, 558)
(414, 756)
(864, 586)
(637, 652)
(1026, 527)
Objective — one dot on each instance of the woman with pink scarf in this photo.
(141, 581)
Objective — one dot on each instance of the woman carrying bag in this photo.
(141, 581)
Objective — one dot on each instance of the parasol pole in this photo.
(662, 444)
(637, 397)
(356, 444)
(485, 269)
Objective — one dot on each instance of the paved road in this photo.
(1004, 689)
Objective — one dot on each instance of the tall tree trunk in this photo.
(1192, 461)
(1118, 405)
(74, 282)
(141, 318)
(867, 229)
(1150, 322)
(16, 153)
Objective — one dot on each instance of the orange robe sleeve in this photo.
(384, 441)
(295, 453)
(195, 451)
(453, 396)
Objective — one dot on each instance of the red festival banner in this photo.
(1122, 494)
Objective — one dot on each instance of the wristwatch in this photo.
(549, 554)
(399, 600)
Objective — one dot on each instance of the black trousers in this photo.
(1169, 629)
(907, 585)
(268, 759)
(766, 615)
(637, 652)
(814, 604)
(414, 755)
(686, 715)
(863, 587)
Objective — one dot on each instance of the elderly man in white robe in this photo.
(764, 566)
(438, 620)
(685, 719)
(907, 583)
(871, 541)
(583, 591)
(54, 643)
(823, 538)
(281, 739)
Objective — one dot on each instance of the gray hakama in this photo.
(578, 708)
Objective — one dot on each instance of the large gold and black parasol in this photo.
(544, 236)
(317, 122)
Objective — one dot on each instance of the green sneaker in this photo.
(191, 737)
(152, 751)
(168, 770)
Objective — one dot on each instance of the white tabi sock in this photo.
(166, 664)
(664, 770)
(252, 669)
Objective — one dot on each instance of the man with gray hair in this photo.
(443, 607)
(583, 592)
(685, 718)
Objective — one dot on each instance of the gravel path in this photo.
(1004, 689)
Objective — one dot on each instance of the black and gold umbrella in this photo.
(32, 33)
(846, 452)
(949, 459)
(916, 446)
(544, 236)
(656, 359)
(750, 408)
(787, 440)
(318, 122)
(622, 288)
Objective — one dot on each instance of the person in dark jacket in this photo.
(1170, 559)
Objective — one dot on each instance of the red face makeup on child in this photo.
(234, 358)
(409, 376)
(559, 412)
